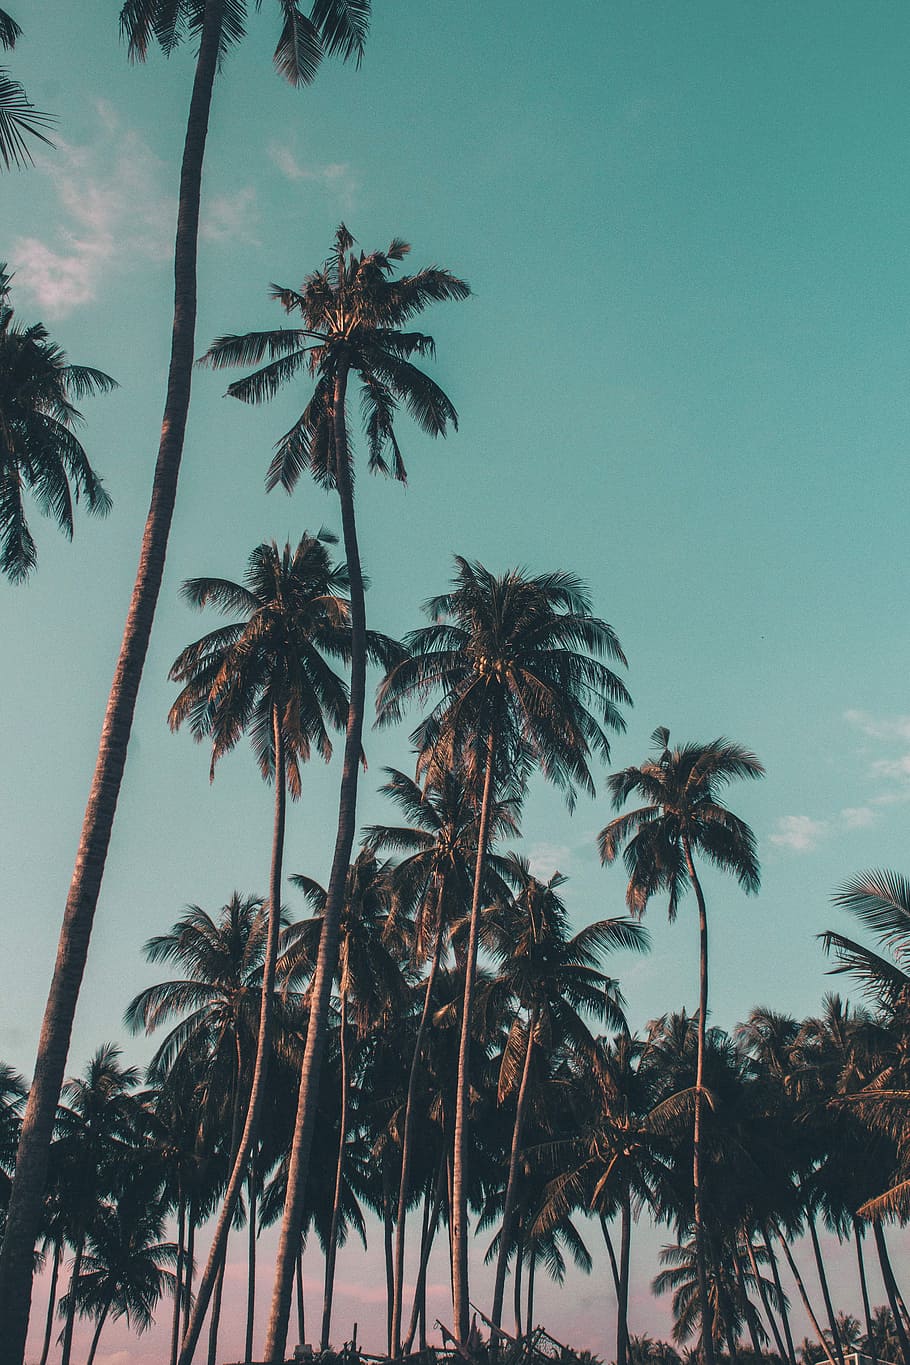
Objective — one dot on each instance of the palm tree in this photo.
(18, 116)
(555, 981)
(682, 816)
(38, 448)
(337, 28)
(266, 674)
(353, 311)
(519, 663)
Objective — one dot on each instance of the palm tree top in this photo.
(333, 28)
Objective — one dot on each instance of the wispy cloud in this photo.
(336, 177)
(857, 817)
(879, 727)
(545, 859)
(232, 218)
(891, 772)
(799, 833)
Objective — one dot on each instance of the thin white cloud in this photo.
(857, 817)
(336, 177)
(799, 833)
(545, 859)
(232, 218)
(879, 727)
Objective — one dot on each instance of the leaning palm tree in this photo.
(353, 312)
(39, 450)
(684, 816)
(336, 28)
(18, 116)
(266, 674)
(519, 663)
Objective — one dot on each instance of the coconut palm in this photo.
(338, 29)
(519, 663)
(555, 981)
(684, 816)
(18, 116)
(266, 674)
(353, 312)
(39, 451)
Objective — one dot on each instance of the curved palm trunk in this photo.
(826, 1294)
(67, 1347)
(327, 960)
(260, 1072)
(215, 1316)
(332, 1248)
(784, 1315)
(404, 1186)
(190, 1267)
(508, 1211)
(426, 1248)
(707, 1343)
(622, 1316)
(253, 1187)
(51, 1304)
(178, 1280)
(459, 1204)
(611, 1254)
(864, 1288)
(763, 1295)
(794, 1271)
(97, 1334)
(24, 1213)
(516, 1289)
(891, 1290)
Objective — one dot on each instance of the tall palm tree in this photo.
(333, 27)
(519, 663)
(18, 116)
(353, 312)
(39, 451)
(684, 816)
(555, 981)
(266, 674)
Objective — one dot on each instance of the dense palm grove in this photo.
(426, 1048)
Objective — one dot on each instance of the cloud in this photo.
(112, 210)
(545, 859)
(879, 727)
(334, 176)
(857, 817)
(799, 833)
(232, 218)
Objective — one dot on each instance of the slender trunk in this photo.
(25, 1207)
(763, 1295)
(97, 1335)
(516, 1295)
(327, 959)
(67, 1346)
(891, 1290)
(51, 1304)
(864, 1288)
(459, 1209)
(508, 1211)
(425, 1252)
(331, 1250)
(260, 1072)
(190, 1267)
(301, 1316)
(178, 1282)
(826, 1295)
(707, 1342)
(794, 1271)
(784, 1315)
(215, 1315)
(404, 1186)
(532, 1267)
(622, 1317)
(608, 1243)
(422, 1296)
(748, 1310)
(253, 1187)
(387, 1245)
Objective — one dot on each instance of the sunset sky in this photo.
(683, 376)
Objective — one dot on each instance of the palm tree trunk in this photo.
(826, 1295)
(508, 1211)
(425, 1250)
(276, 1337)
(864, 1288)
(404, 1186)
(422, 1296)
(516, 1295)
(611, 1254)
(763, 1295)
(301, 1316)
(532, 1267)
(891, 1290)
(215, 1315)
(459, 1209)
(260, 1072)
(190, 1267)
(748, 1310)
(178, 1280)
(331, 1250)
(622, 1315)
(24, 1212)
(253, 1187)
(97, 1335)
(67, 1346)
(707, 1343)
(784, 1315)
(794, 1271)
(51, 1303)
(387, 1245)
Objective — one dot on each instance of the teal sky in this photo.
(682, 375)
